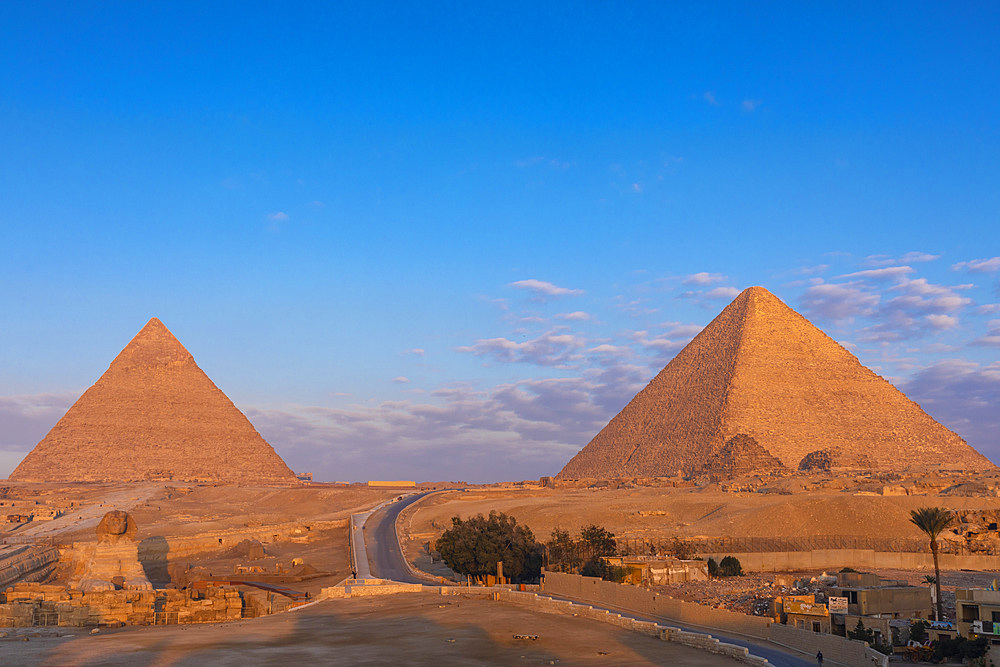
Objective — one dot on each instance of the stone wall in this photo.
(837, 650)
(698, 640)
(32, 604)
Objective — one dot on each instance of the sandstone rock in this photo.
(154, 414)
(762, 369)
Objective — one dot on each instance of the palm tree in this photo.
(933, 521)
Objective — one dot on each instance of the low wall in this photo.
(362, 588)
(826, 559)
(836, 650)
(697, 640)
(646, 602)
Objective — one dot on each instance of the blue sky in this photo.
(442, 240)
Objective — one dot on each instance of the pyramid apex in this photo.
(756, 290)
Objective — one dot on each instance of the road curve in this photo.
(384, 557)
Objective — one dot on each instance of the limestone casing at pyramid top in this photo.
(763, 369)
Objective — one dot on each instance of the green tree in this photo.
(933, 521)
(598, 541)
(474, 547)
(563, 552)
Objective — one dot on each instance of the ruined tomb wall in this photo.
(826, 559)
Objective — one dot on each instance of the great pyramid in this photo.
(154, 414)
(762, 369)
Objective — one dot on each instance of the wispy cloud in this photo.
(709, 97)
(279, 216)
(543, 290)
(24, 421)
(992, 337)
(703, 278)
(838, 302)
(991, 265)
(908, 258)
(575, 316)
(550, 349)
(962, 395)
(887, 273)
(750, 105)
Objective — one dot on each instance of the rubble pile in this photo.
(751, 594)
(834, 457)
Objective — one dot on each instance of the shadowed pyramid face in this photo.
(154, 414)
(761, 369)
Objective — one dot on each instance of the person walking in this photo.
(819, 657)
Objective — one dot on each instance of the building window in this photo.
(970, 612)
(815, 626)
(996, 616)
(852, 597)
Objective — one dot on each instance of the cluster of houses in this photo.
(886, 607)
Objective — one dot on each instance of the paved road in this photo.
(384, 559)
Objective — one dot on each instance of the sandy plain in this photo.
(790, 508)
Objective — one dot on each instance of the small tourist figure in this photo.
(354, 574)
(819, 657)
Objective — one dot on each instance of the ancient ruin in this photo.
(741, 455)
(113, 562)
(762, 369)
(153, 415)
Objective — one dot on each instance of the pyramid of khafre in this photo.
(153, 415)
(762, 369)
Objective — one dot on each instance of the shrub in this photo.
(730, 567)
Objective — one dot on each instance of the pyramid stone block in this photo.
(153, 414)
(762, 369)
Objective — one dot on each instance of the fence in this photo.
(645, 546)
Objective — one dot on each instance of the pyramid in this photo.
(154, 414)
(762, 369)
(741, 455)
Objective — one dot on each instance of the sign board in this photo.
(838, 605)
